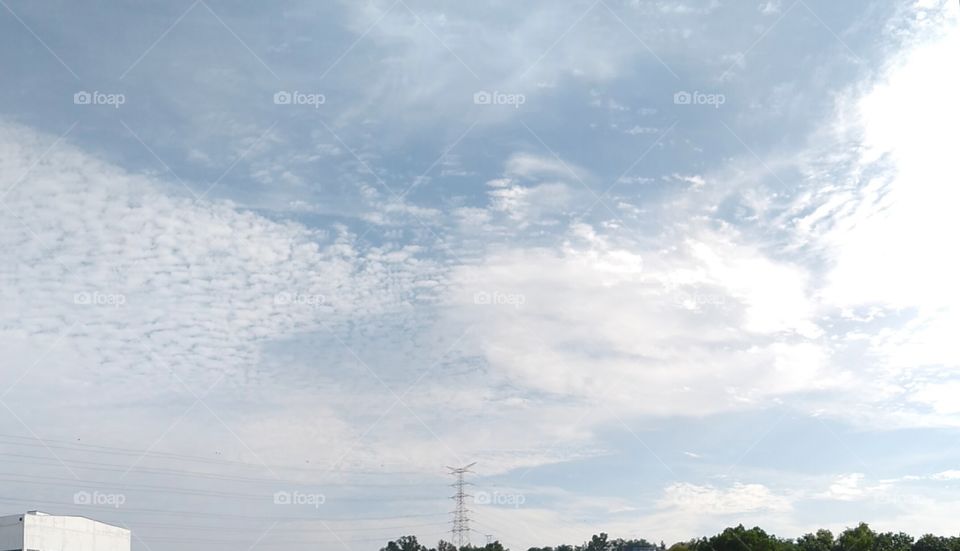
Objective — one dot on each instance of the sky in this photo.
(658, 267)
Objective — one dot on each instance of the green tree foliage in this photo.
(493, 546)
(889, 541)
(929, 542)
(861, 538)
(632, 545)
(404, 543)
(821, 541)
(597, 543)
(737, 538)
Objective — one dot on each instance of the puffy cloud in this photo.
(850, 487)
(709, 500)
(707, 326)
(118, 287)
(868, 225)
(536, 190)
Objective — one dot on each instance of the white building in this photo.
(36, 531)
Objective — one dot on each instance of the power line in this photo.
(134, 511)
(114, 467)
(460, 530)
(47, 443)
(284, 530)
(489, 535)
(101, 486)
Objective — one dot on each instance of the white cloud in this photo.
(874, 226)
(850, 487)
(440, 58)
(709, 500)
(537, 190)
(536, 167)
(951, 474)
(892, 247)
(941, 396)
(771, 7)
(213, 295)
(117, 288)
(692, 329)
(888, 241)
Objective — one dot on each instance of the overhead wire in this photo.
(48, 443)
(114, 467)
(129, 510)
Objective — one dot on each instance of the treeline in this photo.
(861, 538)
(597, 543)
(410, 543)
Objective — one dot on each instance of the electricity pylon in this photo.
(460, 531)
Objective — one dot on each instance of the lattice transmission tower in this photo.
(460, 530)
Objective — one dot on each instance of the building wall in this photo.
(58, 533)
(11, 533)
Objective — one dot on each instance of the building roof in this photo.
(43, 514)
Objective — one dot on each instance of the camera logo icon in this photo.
(683, 98)
(282, 98)
(282, 498)
(82, 98)
(482, 498)
(482, 98)
(82, 498)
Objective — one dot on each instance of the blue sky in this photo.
(657, 267)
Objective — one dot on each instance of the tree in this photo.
(492, 546)
(888, 541)
(597, 543)
(736, 538)
(739, 538)
(929, 542)
(620, 544)
(861, 538)
(821, 541)
(404, 543)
